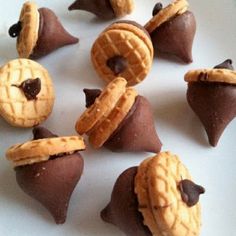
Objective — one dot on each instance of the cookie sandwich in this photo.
(104, 9)
(26, 93)
(172, 30)
(39, 32)
(211, 94)
(48, 169)
(119, 119)
(123, 49)
(158, 197)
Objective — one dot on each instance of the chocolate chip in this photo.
(157, 8)
(15, 29)
(190, 192)
(30, 87)
(227, 64)
(117, 64)
(40, 132)
(91, 95)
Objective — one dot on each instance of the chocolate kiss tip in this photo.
(104, 214)
(91, 95)
(40, 132)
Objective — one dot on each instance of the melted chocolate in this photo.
(215, 105)
(52, 182)
(176, 36)
(157, 8)
(15, 29)
(136, 133)
(91, 95)
(30, 87)
(100, 8)
(227, 64)
(122, 210)
(117, 64)
(52, 34)
(190, 192)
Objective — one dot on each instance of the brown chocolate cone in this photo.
(176, 36)
(136, 133)
(52, 34)
(100, 8)
(122, 210)
(214, 104)
(52, 182)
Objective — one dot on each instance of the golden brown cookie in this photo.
(102, 106)
(103, 131)
(141, 189)
(173, 9)
(211, 75)
(123, 49)
(122, 7)
(173, 216)
(40, 150)
(28, 37)
(26, 93)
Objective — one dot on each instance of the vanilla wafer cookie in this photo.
(172, 214)
(100, 135)
(122, 7)
(173, 9)
(102, 106)
(211, 75)
(29, 23)
(41, 149)
(123, 49)
(26, 93)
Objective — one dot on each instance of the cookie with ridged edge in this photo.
(15, 106)
(173, 9)
(123, 49)
(173, 216)
(101, 134)
(42, 149)
(122, 7)
(211, 75)
(102, 106)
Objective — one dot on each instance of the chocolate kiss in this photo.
(122, 210)
(52, 182)
(52, 34)
(91, 95)
(100, 8)
(137, 131)
(227, 64)
(215, 105)
(176, 36)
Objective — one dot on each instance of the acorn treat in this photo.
(212, 96)
(119, 119)
(26, 93)
(48, 168)
(156, 198)
(39, 32)
(104, 9)
(123, 49)
(172, 29)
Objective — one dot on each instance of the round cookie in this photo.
(211, 75)
(29, 20)
(103, 131)
(173, 9)
(173, 216)
(42, 149)
(26, 93)
(102, 106)
(123, 49)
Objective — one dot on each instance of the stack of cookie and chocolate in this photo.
(158, 197)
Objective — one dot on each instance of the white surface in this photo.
(178, 127)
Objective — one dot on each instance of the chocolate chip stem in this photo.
(117, 64)
(15, 29)
(157, 8)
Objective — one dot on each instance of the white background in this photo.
(178, 127)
